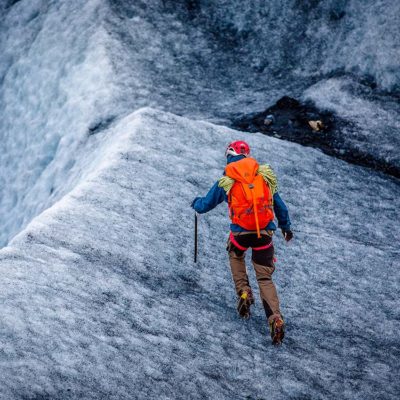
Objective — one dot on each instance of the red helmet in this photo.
(237, 148)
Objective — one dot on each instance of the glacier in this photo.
(113, 117)
(69, 69)
(101, 298)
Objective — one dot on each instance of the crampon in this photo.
(277, 329)
(245, 300)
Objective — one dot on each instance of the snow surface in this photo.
(99, 295)
(101, 299)
(69, 69)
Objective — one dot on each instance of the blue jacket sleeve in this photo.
(281, 212)
(215, 196)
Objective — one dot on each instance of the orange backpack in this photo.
(250, 198)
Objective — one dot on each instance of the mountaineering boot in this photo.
(277, 329)
(245, 300)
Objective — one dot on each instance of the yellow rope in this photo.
(269, 177)
(226, 183)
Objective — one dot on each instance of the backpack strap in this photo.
(251, 187)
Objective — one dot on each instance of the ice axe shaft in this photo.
(195, 237)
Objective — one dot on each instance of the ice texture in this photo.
(99, 295)
(54, 87)
(101, 298)
(69, 69)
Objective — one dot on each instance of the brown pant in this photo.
(263, 262)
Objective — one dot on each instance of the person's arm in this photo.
(215, 196)
(282, 215)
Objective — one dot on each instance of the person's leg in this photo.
(240, 278)
(263, 262)
(268, 292)
(238, 268)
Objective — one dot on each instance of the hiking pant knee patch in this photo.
(264, 257)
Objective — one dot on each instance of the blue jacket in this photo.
(217, 195)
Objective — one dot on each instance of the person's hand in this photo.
(194, 202)
(287, 234)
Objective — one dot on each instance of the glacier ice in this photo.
(99, 295)
(101, 299)
(52, 89)
(70, 69)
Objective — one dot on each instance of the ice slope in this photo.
(101, 299)
(54, 87)
(68, 69)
